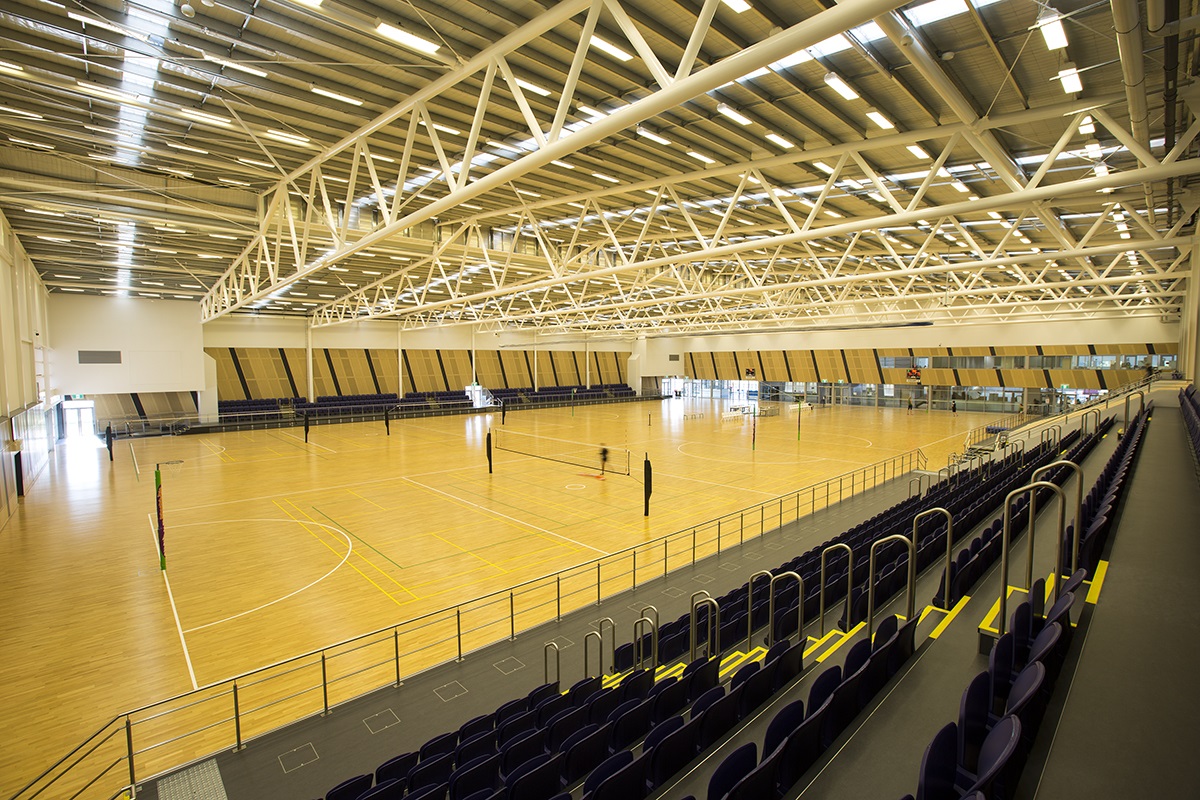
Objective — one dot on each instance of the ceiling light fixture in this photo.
(287, 138)
(204, 116)
(533, 87)
(1069, 78)
(835, 82)
(733, 114)
(775, 138)
(652, 136)
(341, 98)
(610, 48)
(737, 6)
(410, 40)
(224, 62)
(879, 119)
(1049, 22)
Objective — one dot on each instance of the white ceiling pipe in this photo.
(1129, 45)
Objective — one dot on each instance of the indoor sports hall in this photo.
(590, 399)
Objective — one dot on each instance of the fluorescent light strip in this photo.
(204, 116)
(15, 140)
(287, 138)
(835, 82)
(187, 148)
(610, 48)
(533, 87)
(407, 39)
(224, 62)
(254, 163)
(775, 138)
(880, 120)
(341, 98)
(1069, 78)
(733, 114)
(701, 157)
(556, 163)
(13, 68)
(918, 151)
(652, 136)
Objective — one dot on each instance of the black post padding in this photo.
(503, 411)
(306, 427)
(489, 451)
(108, 440)
(387, 420)
(647, 484)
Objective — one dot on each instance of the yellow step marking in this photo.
(817, 643)
(989, 621)
(847, 636)
(945, 623)
(1097, 582)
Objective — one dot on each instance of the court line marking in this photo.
(365, 560)
(307, 444)
(302, 523)
(137, 471)
(513, 520)
(187, 657)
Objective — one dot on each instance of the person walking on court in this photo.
(954, 408)
(910, 405)
(603, 458)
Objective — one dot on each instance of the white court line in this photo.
(136, 470)
(493, 512)
(308, 444)
(349, 550)
(186, 656)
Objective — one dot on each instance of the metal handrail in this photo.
(912, 579)
(1085, 416)
(696, 603)
(612, 650)
(546, 662)
(587, 637)
(849, 578)
(1078, 519)
(949, 543)
(799, 607)
(765, 573)
(1141, 406)
(1006, 536)
(639, 658)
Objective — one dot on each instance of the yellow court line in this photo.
(945, 623)
(372, 502)
(1093, 594)
(352, 566)
(847, 636)
(470, 553)
(217, 451)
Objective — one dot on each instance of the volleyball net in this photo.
(579, 454)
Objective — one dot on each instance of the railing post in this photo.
(666, 540)
(396, 644)
(458, 624)
(634, 552)
(741, 527)
(597, 583)
(129, 748)
(693, 547)
(512, 617)
(325, 683)
(718, 537)
(558, 597)
(237, 720)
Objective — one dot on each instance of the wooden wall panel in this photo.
(893, 352)
(457, 364)
(829, 362)
(516, 369)
(426, 375)
(774, 368)
(727, 368)
(894, 376)
(568, 372)
(386, 370)
(487, 369)
(1166, 348)
(937, 377)
(802, 365)
(354, 376)
(702, 363)
(295, 360)
(1026, 378)
(863, 368)
(228, 386)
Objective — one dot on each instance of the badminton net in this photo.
(577, 454)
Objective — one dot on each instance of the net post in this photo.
(647, 480)
(162, 527)
(489, 450)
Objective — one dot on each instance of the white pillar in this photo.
(1189, 346)
(308, 356)
(474, 376)
(400, 359)
(587, 361)
(536, 382)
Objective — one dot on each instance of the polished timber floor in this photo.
(277, 546)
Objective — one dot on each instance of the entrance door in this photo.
(80, 416)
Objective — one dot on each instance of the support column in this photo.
(400, 359)
(587, 362)
(536, 382)
(308, 359)
(1189, 346)
(474, 377)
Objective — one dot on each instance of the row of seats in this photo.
(981, 755)
(607, 391)
(794, 740)
(534, 746)
(1189, 404)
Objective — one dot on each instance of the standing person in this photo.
(603, 458)
(954, 408)
(910, 405)
(108, 440)
(306, 427)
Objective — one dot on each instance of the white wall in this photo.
(23, 326)
(161, 344)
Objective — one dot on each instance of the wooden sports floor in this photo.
(276, 547)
